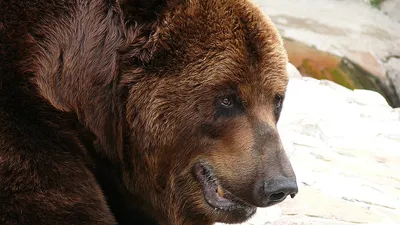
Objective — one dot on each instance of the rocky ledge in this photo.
(345, 148)
(366, 35)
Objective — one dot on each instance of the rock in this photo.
(368, 62)
(344, 71)
(292, 71)
(336, 26)
(346, 28)
(391, 8)
(370, 98)
(393, 68)
(345, 148)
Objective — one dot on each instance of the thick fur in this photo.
(105, 106)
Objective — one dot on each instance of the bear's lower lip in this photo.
(216, 196)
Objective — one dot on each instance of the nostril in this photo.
(276, 190)
(277, 196)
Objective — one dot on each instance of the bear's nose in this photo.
(276, 190)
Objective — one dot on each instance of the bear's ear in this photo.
(142, 11)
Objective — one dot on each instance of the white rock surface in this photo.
(336, 26)
(391, 8)
(292, 71)
(345, 149)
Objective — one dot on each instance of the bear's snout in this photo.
(276, 190)
(278, 179)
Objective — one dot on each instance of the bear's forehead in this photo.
(226, 40)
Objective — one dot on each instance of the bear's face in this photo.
(202, 114)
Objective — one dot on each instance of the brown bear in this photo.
(139, 112)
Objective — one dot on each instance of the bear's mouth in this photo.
(215, 195)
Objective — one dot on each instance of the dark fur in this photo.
(105, 106)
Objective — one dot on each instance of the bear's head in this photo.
(182, 96)
(205, 93)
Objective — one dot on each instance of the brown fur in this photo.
(107, 105)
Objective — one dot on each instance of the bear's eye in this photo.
(278, 100)
(228, 106)
(227, 101)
